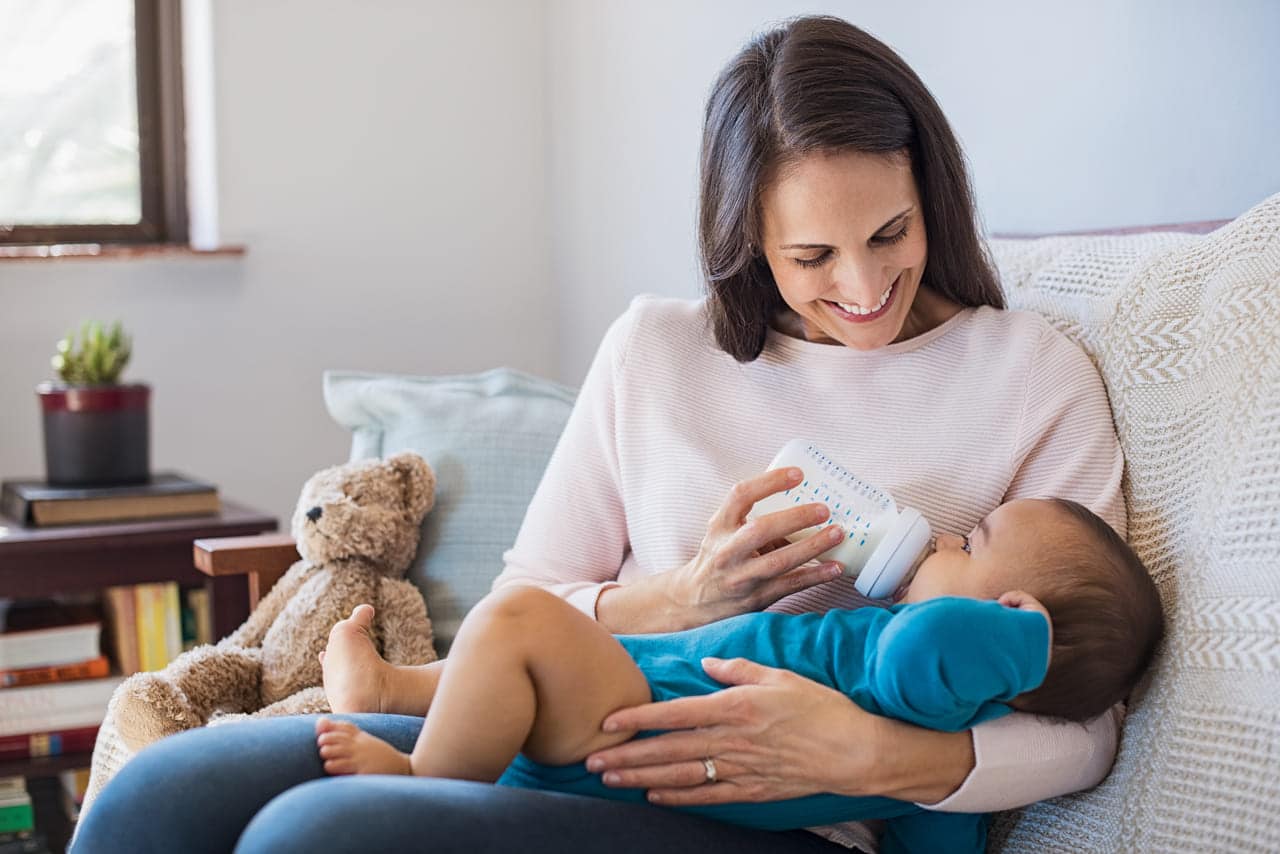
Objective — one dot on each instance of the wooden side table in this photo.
(36, 562)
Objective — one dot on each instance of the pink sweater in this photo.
(990, 406)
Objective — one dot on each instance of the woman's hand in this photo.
(777, 735)
(746, 565)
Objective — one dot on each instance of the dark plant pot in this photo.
(96, 435)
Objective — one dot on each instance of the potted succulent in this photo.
(96, 430)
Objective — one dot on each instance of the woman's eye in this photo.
(891, 239)
(813, 262)
(967, 548)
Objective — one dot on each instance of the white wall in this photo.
(384, 163)
(430, 187)
(1074, 115)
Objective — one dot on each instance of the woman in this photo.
(850, 303)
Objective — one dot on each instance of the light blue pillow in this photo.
(488, 437)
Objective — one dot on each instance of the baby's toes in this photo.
(334, 749)
(335, 739)
(326, 726)
(339, 766)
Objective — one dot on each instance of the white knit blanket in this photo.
(1185, 331)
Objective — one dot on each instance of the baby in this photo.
(1043, 608)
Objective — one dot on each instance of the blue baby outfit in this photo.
(946, 664)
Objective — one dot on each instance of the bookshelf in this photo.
(41, 562)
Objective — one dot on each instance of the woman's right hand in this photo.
(746, 565)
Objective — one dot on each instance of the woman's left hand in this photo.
(773, 735)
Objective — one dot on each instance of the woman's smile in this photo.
(855, 313)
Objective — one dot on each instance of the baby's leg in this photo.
(358, 679)
(527, 672)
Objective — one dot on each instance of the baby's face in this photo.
(989, 560)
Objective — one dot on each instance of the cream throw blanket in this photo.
(1185, 331)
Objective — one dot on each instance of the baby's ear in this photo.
(417, 481)
(1020, 599)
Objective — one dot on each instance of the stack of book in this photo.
(35, 503)
(54, 688)
(151, 624)
(16, 813)
(18, 834)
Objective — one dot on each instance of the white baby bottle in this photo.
(883, 545)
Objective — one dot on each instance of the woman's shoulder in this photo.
(1010, 323)
(1028, 333)
(653, 320)
(654, 309)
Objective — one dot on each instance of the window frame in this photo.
(161, 143)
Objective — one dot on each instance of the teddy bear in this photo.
(357, 528)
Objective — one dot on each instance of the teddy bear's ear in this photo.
(418, 481)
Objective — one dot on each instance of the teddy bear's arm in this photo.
(254, 629)
(406, 630)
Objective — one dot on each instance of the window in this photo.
(91, 125)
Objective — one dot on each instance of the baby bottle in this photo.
(883, 545)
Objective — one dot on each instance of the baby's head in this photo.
(1103, 608)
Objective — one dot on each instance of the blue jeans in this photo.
(258, 786)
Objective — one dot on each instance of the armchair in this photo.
(1185, 331)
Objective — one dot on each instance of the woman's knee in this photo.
(167, 792)
(370, 813)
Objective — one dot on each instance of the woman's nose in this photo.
(859, 282)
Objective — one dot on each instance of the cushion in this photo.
(488, 436)
(1185, 330)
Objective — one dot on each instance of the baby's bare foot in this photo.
(346, 749)
(354, 674)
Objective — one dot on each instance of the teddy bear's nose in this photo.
(315, 513)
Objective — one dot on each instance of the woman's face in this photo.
(844, 235)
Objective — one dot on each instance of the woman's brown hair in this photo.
(820, 84)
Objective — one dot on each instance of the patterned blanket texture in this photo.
(1185, 330)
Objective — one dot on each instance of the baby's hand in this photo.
(1024, 601)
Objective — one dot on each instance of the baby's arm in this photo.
(939, 663)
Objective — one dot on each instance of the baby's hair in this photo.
(1107, 620)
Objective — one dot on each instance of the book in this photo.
(167, 494)
(158, 618)
(51, 646)
(121, 612)
(198, 602)
(75, 782)
(57, 706)
(91, 669)
(29, 745)
(16, 814)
